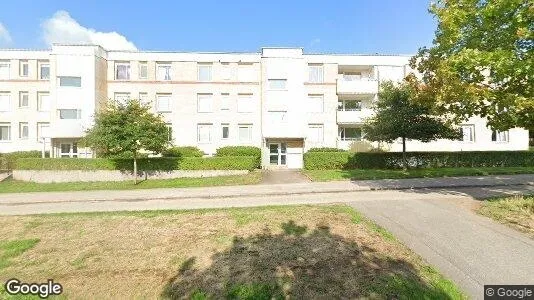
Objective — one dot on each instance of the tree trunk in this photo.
(135, 167)
(404, 161)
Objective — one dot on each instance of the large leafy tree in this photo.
(398, 116)
(129, 128)
(481, 61)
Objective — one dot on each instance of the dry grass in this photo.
(516, 211)
(297, 251)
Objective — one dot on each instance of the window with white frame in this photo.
(277, 84)
(43, 131)
(70, 81)
(24, 68)
(169, 131)
(44, 70)
(163, 102)
(23, 130)
(121, 97)
(204, 103)
(204, 134)
(350, 133)
(43, 101)
(349, 105)
(245, 132)
(315, 133)
(5, 70)
(226, 71)
(225, 101)
(143, 70)
(468, 133)
(143, 98)
(163, 71)
(245, 103)
(315, 73)
(204, 72)
(500, 136)
(352, 76)
(245, 72)
(225, 128)
(5, 101)
(277, 116)
(24, 99)
(316, 103)
(5, 131)
(69, 114)
(122, 70)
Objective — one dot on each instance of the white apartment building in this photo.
(279, 99)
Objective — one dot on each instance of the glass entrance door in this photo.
(277, 154)
(68, 150)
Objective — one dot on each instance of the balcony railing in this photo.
(353, 116)
(353, 85)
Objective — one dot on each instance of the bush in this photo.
(326, 149)
(7, 160)
(241, 151)
(393, 160)
(187, 151)
(144, 164)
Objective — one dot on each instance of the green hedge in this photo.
(7, 160)
(187, 151)
(240, 151)
(393, 160)
(326, 149)
(144, 164)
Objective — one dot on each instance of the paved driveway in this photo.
(471, 250)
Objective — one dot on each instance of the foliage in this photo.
(481, 62)
(187, 151)
(241, 151)
(394, 160)
(149, 164)
(7, 160)
(326, 149)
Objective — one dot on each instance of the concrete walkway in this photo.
(282, 176)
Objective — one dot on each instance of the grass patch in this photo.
(278, 252)
(14, 186)
(364, 174)
(10, 249)
(515, 211)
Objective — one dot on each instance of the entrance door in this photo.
(278, 154)
(68, 150)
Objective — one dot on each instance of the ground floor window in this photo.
(468, 133)
(5, 132)
(499, 136)
(68, 149)
(350, 133)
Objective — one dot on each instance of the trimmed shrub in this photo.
(326, 149)
(123, 155)
(187, 151)
(7, 160)
(144, 164)
(241, 151)
(393, 160)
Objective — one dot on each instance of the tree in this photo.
(127, 128)
(481, 62)
(398, 116)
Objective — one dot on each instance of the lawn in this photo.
(14, 186)
(516, 211)
(298, 252)
(328, 175)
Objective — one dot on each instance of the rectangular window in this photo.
(121, 97)
(4, 70)
(143, 70)
(350, 134)
(316, 103)
(122, 70)
(245, 132)
(24, 68)
(69, 114)
(5, 132)
(204, 72)
(500, 136)
(315, 73)
(163, 103)
(225, 102)
(43, 101)
(44, 70)
(245, 103)
(5, 101)
(277, 84)
(204, 103)
(204, 133)
(43, 131)
(169, 132)
(352, 76)
(245, 72)
(468, 133)
(24, 99)
(225, 131)
(226, 71)
(277, 116)
(143, 98)
(23, 130)
(349, 105)
(163, 72)
(70, 81)
(315, 133)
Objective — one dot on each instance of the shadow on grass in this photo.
(300, 265)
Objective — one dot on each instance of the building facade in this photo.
(279, 99)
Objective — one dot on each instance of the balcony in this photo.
(353, 116)
(66, 129)
(349, 86)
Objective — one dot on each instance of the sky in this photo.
(328, 26)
